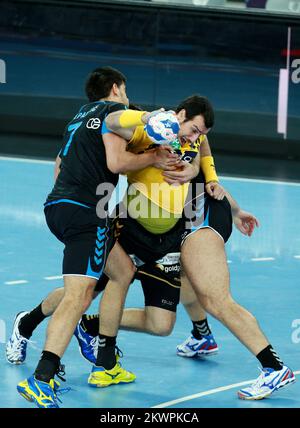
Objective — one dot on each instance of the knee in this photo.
(124, 277)
(161, 328)
(128, 275)
(80, 298)
(217, 306)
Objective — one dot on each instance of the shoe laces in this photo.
(57, 390)
(61, 391)
(257, 384)
(188, 340)
(119, 353)
(22, 342)
(60, 372)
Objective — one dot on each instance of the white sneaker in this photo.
(270, 380)
(192, 347)
(17, 344)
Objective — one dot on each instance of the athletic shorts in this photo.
(157, 257)
(207, 212)
(87, 238)
(160, 281)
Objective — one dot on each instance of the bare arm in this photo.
(120, 161)
(184, 174)
(57, 167)
(235, 208)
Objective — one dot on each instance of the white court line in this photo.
(262, 259)
(297, 257)
(260, 181)
(52, 278)
(205, 393)
(20, 281)
(242, 179)
(26, 160)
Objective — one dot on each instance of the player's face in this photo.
(122, 94)
(191, 129)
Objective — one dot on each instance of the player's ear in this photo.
(181, 115)
(115, 90)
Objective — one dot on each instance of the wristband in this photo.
(207, 165)
(131, 118)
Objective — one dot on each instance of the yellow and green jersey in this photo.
(165, 200)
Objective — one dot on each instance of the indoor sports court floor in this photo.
(264, 275)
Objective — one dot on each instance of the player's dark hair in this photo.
(195, 105)
(100, 82)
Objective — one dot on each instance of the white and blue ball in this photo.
(162, 128)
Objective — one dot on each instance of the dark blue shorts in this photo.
(88, 239)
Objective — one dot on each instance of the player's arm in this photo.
(121, 161)
(185, 174)
(57, 166)
(244, 221)
(124, 122)
(207, 165)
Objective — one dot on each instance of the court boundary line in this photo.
(206, 393)
(223, 177)
(26, 160)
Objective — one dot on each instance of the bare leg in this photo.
(190, 301)
(150, 320)
(204, 262)
(52, 301)
(77, 298)
(120, 270)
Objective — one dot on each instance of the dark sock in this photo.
(106, 356)
(47, 366)
(30, 321)
(200, 329)
(90, 323)
(268, 358)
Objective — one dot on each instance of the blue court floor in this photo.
(264, 278)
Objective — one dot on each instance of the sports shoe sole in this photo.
(108, 383)
(260, 397)
(24, 394)
(195, 354)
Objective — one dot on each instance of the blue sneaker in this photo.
(43, 394)
(193, 347)
(88, 345)
(270, 380)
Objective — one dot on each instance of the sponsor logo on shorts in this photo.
(93, 123)
(169, 259)
(167, 269)
(167, 302)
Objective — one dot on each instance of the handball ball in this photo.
(162, 128)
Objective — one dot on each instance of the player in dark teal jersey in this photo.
(84, 163)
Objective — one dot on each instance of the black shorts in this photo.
(160, 282)
(87, 238)
(157, 257)
(207, 212)
(147, 246)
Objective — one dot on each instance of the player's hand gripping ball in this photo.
(163, 127)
